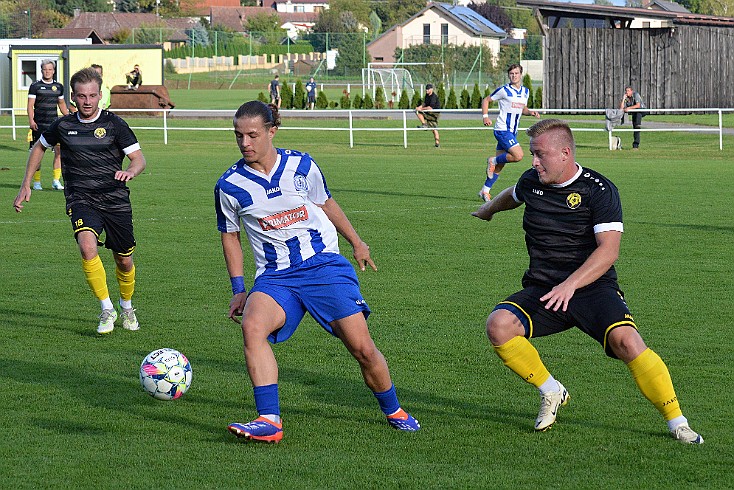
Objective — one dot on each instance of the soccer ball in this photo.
(165, 374)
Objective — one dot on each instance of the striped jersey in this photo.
(92, 152)
(511, 102)
(46, 97)
(561, 220)
(280, 212)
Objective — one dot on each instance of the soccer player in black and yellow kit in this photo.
(93, 145)
(573, 229)
(43, 97)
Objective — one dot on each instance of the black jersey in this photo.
(560, 222)
(47, 98)
(92, 153)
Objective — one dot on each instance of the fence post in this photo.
(405, 128)
(721, 132)
(12, 118)
(165, 127)
(351, 133)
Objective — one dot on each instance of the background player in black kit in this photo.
(43, 97)
(573, 229)
(93, 145)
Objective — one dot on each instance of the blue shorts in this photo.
(505, 140)
(324, 285)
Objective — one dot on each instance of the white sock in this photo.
(126, 304)
(673, 423)
(106, 304)
(272, 417)
(550, 386)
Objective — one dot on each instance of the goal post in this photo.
(392, 77)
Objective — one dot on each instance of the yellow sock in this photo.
(37, 176)
(653, 379)
(126, 280)
(519, 355)
(57, 173)
(96, 277)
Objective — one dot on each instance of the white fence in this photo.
(398, 114)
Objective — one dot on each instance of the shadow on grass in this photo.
(687, 226)
(338, 191)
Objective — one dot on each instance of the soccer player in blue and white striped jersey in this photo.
(281, 200)
(512, 99)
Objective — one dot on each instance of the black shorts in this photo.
(595, 310)
(117, 226)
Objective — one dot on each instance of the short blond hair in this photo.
(560, 128)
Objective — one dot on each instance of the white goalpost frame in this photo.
(371, 73)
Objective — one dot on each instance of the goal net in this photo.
(394, 78)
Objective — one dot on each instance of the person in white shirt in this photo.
(291, 221)
(512, 99)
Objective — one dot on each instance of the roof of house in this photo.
(107, 24)
(477, 24)
(202, 7)
(666, 5)
(624, 15)
(465, 17)
(236, 17)
(77, 33)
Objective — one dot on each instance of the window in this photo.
(444, 34)
(426, 33)
(29, 69)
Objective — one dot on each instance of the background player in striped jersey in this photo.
(281, 200)
(573, 230)
(93, 145)
(512, 99)
(44, 96)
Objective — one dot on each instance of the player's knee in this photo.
(626, 343)
(366, 353)
(502, 326)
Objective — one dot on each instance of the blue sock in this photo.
(488, 183)
(266, 399)
(501, 158)
(388, 401)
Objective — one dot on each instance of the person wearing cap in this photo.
(426, 116)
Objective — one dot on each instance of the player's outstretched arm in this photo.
(136, 167)
(601, 259)
(486, 120)
(503, 202)
(34, 163)
(232, 249)
(344, 227)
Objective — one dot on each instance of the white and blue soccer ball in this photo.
(165, 374)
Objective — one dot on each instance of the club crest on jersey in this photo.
(573, 200)
(100, 133)
(53, 88)
(300, 183)
(283, 219)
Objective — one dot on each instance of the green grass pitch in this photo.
(73, 414)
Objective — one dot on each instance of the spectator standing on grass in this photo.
(134, 78)
(291, 221)
(630, 102)
(94, 144)
(512, 99)
(274, 88)
(573, 230)
(426, 116)
(311, 93)
(44, 95)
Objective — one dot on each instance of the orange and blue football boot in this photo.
(260, 429)
(402, 420)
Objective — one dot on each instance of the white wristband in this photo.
(485, 115)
